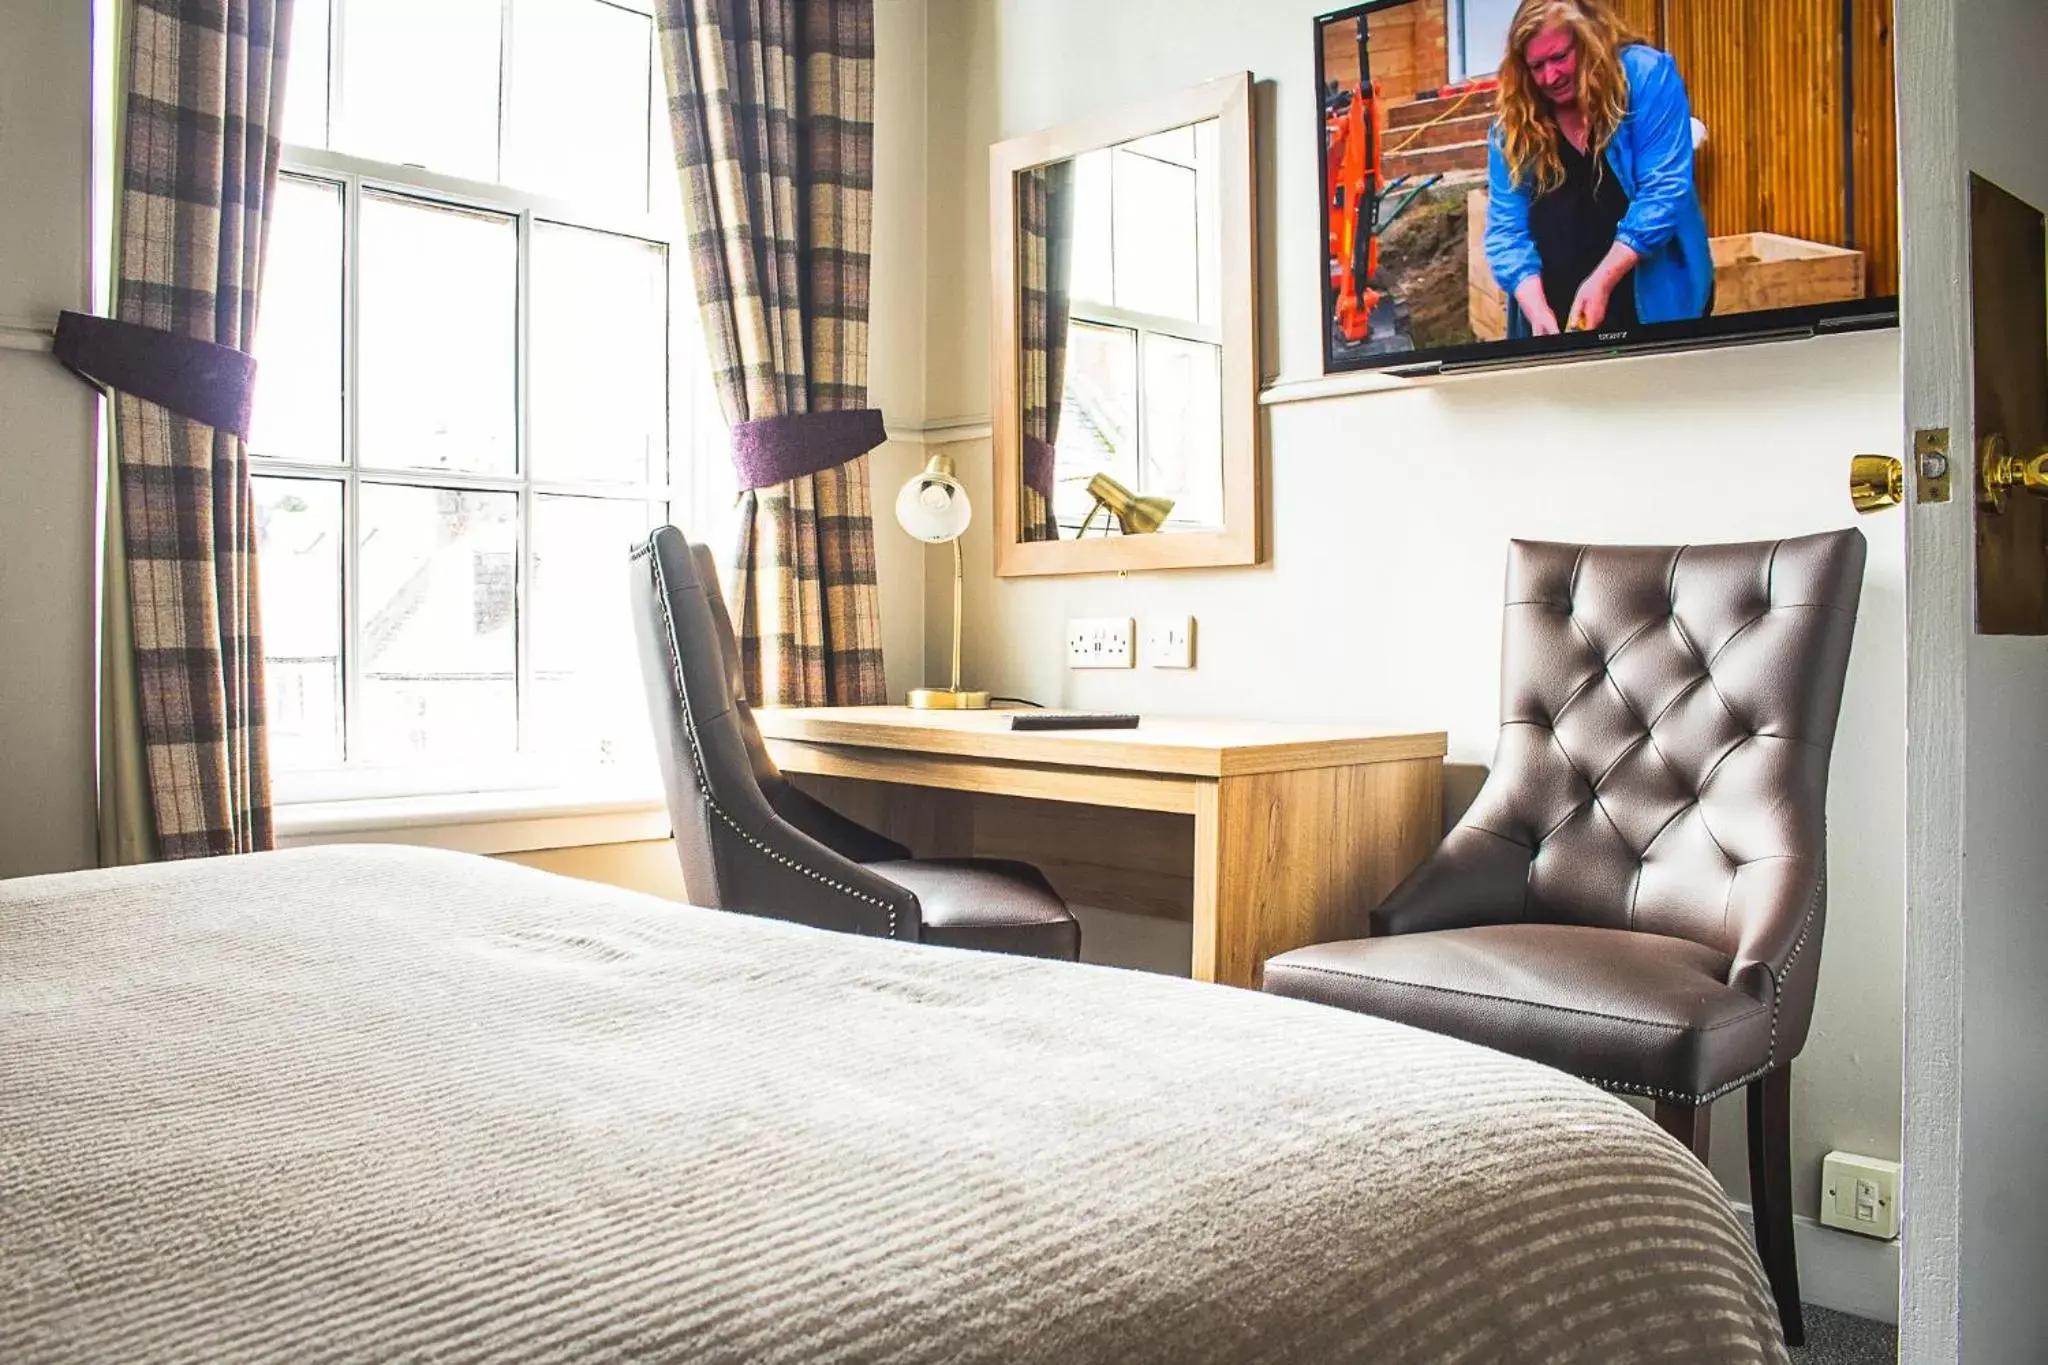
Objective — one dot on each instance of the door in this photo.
(1971, 102)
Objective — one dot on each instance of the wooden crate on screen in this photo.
(1754, 271)
(1486, 302)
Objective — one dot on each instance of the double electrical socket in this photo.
(1099, 642)
(1105, 642)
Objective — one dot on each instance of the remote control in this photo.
(1073, 720)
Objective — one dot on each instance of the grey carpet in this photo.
(1837, 1339)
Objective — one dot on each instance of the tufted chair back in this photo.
(747, 840)
(1666, 721)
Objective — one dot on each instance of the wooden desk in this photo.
(1266, 836)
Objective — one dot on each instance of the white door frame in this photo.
(1934, 349)
(1976, 993)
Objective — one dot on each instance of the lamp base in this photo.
(946, 699)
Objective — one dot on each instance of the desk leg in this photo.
(1287, 859)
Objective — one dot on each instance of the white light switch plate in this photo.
(1099, 642)
(1860, 1194)
(1170, 642)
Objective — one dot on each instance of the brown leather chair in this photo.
(751, 842)
(1636, 896)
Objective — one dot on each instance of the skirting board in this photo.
(1843, 1271)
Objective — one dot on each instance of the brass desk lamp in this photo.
(1134, 515)
(934, 508)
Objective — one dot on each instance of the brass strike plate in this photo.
(1932, 469)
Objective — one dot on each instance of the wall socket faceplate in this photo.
(1099, 642)
(1170, 642)
(1860, 1194)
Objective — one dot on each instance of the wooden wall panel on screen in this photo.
(1767, 78)
(1707, 38)
(1409, 52)
(1340, 55)
(1801, 188)
(1876, 162)
(1646, 17)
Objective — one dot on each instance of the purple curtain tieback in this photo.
(1038, 466)
(772, 450)
(196, 379)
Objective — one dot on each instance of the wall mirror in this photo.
(1126, 348)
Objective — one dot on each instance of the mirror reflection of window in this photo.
(1140, 385)
(1098, 417)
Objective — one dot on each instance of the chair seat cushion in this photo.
(1635, 1011)
(992, 904)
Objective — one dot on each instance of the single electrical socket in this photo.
(1860, 1194)
(1099, 642)
(1170, 642)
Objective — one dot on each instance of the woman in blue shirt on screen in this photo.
(1593, 219)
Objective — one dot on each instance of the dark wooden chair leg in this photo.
(1688, 1123)
(1770, 1193)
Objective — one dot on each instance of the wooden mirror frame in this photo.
(1240, 541)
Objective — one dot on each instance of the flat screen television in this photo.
(1506, 181)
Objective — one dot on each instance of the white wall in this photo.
(896, 348)
(1390, 512)
(47, 460)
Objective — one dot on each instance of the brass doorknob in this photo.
(1876, 482)
(1999, 471)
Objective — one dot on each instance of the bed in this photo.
(386, 1104)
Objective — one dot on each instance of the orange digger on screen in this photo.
(1364, 203)
(1354, 128)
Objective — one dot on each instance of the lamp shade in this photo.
(1135, 515)
(933, 506)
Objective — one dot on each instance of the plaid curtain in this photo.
(204, 95)
(1045, 226)
(771, 102)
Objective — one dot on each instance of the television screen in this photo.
(1507, 180)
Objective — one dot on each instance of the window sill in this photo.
(478, 822)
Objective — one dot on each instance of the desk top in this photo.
(1166, 745)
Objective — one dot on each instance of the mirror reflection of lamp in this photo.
(933, 507)
(1135, 515)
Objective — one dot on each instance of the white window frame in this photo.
(348, 796)
(1459, 45)
(1147, 325)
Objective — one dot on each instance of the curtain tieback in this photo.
(772, 450)
(201, 380)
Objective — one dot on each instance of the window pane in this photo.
(577, 123)
(298, 544)
(1184, 428)
(1090, 281)
(419, 84)
(305, 85)
(298, 327)
(437, 298)
(439, 577)
(1156, 270)
(1098, 431)
(587, 707)
(600, 356)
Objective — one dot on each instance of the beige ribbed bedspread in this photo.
(380, 1104)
